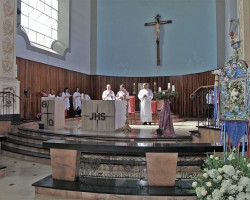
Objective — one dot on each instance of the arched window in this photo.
(44, 26)
(39, 19)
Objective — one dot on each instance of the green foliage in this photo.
(165, 94)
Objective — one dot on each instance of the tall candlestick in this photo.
(159, 89)
(155, 87)
(168, 86)
(133, 88)
(173, 88)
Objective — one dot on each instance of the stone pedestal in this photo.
(53, 112)
(65, 164)
(161, 168)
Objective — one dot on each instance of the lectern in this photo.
(53, 112)
(100, 115)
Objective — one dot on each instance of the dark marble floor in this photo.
(20, 175)
(72, 127)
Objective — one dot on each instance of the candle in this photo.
(82, 96)
(173, 88)
(168, 86)
(133, 84)
(159, 89)
(154, 83)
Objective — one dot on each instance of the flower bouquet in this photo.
(39, 115)
(40, 124)
(165, 94)
(224, 178)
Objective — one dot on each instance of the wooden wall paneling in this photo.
(35, 82)
(43, 77)
(21, 76)
(60, 79)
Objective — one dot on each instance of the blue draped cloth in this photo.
(235, 130)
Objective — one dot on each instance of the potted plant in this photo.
(40, 124)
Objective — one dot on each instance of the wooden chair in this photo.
(154, 111)
(131, 109)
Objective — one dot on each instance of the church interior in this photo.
(107, 99)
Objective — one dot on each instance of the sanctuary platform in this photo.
(110, 165)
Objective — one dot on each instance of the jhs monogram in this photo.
(98, 116)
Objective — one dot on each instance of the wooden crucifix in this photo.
(157, 25)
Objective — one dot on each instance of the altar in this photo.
(100, 115)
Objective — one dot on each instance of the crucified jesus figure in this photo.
(157, 25)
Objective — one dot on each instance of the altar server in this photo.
(65, 96)
(145, 95)
(52, 93)
(77, 101)
(86, 97)
(122, 94)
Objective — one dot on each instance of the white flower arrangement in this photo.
(224, 178)
(218, 72)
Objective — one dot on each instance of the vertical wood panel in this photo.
(42, 77)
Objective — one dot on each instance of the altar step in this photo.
(96, 188)
(28, 153)
(48, 135)
(28, 145)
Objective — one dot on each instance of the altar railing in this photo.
(205, 106)
(8, 103)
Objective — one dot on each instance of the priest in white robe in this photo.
(122, 94)
(65, 96)
(108, 94)
(86, 97)
(52, 93)
(145, 95)
(77, 104)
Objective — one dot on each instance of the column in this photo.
(244, 29)
(8, 68)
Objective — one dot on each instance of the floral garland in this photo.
(224, 178)
(234, 87)
(39, 115)
(165, 94)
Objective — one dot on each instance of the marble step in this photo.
(25, 139)
(96, 188)
(25, 150)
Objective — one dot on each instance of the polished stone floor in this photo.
(72, 127)
(20, 175)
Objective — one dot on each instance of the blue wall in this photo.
(125, 47)
(79, 57)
